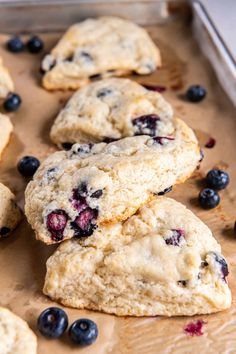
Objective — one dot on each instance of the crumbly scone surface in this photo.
(6, 129)
(112, 109)
(108, 46)
(6, 83)
(10, 214)
(102, 183)
(15, 335)
(161, 261)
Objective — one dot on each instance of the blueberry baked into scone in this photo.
(10, 214)
(16, 336)
(6, 83)
(6, 129)
(161, 261)
(101, 47)
(74, 191)
(112, 109)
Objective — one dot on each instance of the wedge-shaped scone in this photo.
(6, 129)
(161, 261)
(15, 335)
(106, 46)
(10, 214)
(6, 83)
(74, 191)
(112, 109)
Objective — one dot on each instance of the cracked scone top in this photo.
(161, 261)
(15, 335)
(10, 214)
(92, 184)
(6, 83)
(6, 129)
(111, 109)
(106, 46)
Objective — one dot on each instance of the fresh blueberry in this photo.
(28, 165)
(12, 102)
(15, 45)
(35, 45)
(195, 93)
(4, 231)
(208, 198)
(52, 322)
(217, 179)
(83, 332)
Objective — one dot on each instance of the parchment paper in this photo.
(22, 258)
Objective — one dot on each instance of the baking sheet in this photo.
(22, 258)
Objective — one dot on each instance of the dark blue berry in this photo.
(4, 231)
(52, 322)
(195, 93)
(15, 45)
(35, 45)
(66, 146)
(28, 165)
(217, 179)
(12, 102)
(83, 332)
(166, 190)
(223, 264)
(208, 198)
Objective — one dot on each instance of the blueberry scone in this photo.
(112, 109)
(15, 335)
(161, 261)
(93, 184)
(10, 214)
(6, 83)
(102, 47)
(6, 129)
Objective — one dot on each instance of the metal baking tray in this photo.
(174, 26)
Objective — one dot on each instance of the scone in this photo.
(6, 129)
(6, 83)
(102, 47)
(74, 191)
(161, 261)
(112, 109)
(10, 214)
(15, 335)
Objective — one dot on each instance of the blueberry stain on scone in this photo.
(176, 238)
(162, 140)
(223, 265)
(146, 124)
(85, 222)
(56, 223)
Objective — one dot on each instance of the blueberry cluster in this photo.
(53, 322)
(34, 45)
(216, 180)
